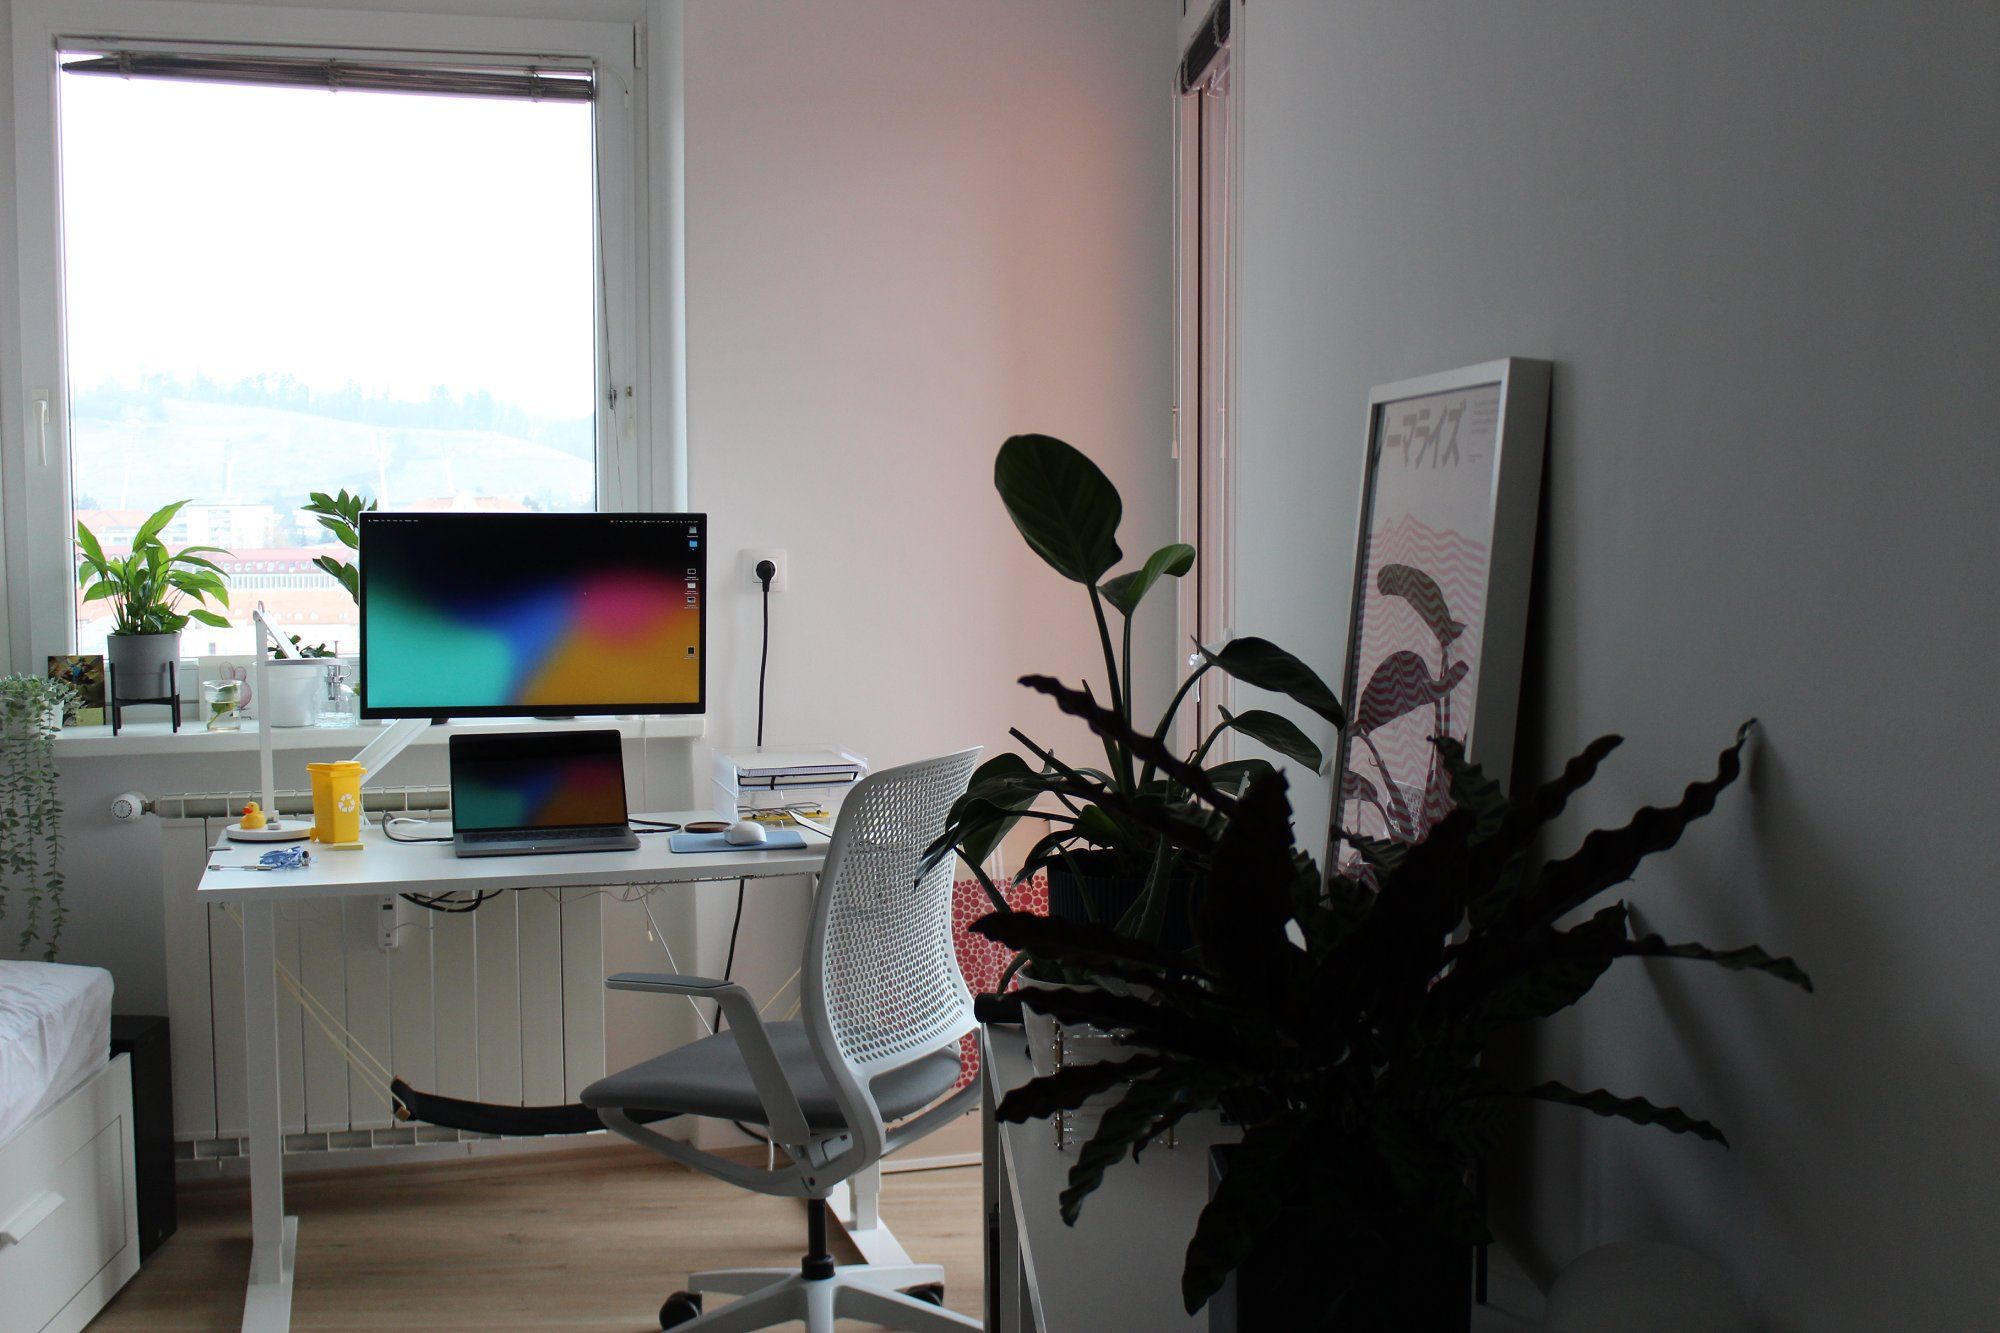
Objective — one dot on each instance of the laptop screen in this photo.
(563, 779)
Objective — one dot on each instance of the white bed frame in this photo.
(69, 1213)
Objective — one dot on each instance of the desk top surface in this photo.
(381, 866)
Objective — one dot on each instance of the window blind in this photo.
(1208, 43)
(540, 85)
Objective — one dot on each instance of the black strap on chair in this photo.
(492, 1118)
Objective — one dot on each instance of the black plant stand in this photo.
(172, 701)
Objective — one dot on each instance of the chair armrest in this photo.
(781, 1103)
(667, 983)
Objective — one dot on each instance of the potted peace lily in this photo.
(31, 712)
(1111, 863)
(153, 592)
(1343, 1022)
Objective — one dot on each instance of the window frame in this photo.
(1208, 202)
(35, 486)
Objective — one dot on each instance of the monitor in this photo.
(546, 615)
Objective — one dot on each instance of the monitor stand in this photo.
(395, 738)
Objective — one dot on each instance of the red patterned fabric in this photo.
(980, 959)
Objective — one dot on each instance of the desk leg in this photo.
(857, 1204)
(267, 1303)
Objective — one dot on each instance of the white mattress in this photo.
(55, 1032)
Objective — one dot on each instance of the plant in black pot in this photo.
(153, 592)
(1110, 863)
(1343, 1026)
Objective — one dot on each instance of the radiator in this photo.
(505, 1004)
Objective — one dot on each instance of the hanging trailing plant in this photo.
(31, 711)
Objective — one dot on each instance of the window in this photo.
(306, 255)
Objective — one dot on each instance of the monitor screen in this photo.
(551, 615)
(572, 779)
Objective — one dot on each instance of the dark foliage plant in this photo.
(1068, 512)
(1342, 1023)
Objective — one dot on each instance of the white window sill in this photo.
(156, 737)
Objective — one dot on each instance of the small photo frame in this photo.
(84, 673)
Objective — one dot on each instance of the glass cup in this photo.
(222, 704)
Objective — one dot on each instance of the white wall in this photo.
(1761, 246)
(915, 229)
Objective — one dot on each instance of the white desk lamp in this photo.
(275, 828)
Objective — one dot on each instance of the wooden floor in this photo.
(589, 1239)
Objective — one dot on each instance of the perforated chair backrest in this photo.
(882, 980)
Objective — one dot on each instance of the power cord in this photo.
(766, 571)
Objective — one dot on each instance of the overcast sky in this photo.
(396, 241)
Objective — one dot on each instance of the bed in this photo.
(69, 1222)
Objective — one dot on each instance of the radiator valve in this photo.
(127, 806)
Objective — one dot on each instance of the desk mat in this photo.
(775, 840)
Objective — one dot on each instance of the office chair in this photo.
(883, 1007)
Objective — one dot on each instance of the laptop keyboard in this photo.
(538, 835)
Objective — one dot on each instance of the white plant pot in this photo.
(293, 688)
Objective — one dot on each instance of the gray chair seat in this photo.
(708, 1077)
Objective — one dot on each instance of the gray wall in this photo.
(1760, 246)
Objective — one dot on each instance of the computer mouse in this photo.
(744, 833)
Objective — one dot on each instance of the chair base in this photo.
(768, 1296)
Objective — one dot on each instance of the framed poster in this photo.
(1439, 615)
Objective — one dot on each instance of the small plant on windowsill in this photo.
(340, 514)
(31, 712)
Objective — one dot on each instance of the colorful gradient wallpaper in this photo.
(538, 791)
(490, 614)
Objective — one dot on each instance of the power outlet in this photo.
(779, 558)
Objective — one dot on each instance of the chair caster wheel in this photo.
(679, 1308)
(933, 1292)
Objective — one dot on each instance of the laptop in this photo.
(522, 793)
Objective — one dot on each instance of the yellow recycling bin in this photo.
(336, 793)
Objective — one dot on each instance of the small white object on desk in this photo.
(744, 833)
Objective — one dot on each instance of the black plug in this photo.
(766, 571)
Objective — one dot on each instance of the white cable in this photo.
(646, 902)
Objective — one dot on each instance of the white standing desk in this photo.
(384, 867)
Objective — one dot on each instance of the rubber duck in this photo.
(253, 818)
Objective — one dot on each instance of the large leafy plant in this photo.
(1343, 1024)
(31, 807)
(153, 590)
(340, 514)
(1069, 512)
